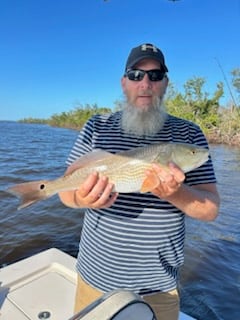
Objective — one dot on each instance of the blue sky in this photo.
(56, 54)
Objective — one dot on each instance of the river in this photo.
(210, 278)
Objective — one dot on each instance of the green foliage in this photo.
(236, 84)
(195, 105)
(220, 124)
(236, 79)
(34, 120)
(73, 119)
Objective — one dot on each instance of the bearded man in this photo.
(135, 241)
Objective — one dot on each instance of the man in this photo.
(135, 241)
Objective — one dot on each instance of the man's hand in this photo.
(170, 179)
(200, 201)
(95, 192)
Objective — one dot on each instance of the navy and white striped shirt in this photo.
(137, 243)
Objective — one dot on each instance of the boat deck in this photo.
(40, 287)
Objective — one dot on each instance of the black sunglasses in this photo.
(138, 74)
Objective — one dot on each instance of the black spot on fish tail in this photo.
(29, 192)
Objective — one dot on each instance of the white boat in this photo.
(42, 287)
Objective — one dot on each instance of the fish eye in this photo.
(42, 186)
(193, 152)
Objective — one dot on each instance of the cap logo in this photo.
(144, 47)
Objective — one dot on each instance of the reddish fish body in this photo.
(126, 170)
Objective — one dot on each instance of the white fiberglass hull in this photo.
(40, 287)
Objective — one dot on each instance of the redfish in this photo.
(125, 169)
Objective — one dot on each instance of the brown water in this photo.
(210, 279)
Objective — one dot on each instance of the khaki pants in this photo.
(164, 304)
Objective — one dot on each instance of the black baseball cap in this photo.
(145, 51)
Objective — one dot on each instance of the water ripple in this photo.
(210, 278)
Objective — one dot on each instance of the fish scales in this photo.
(126, 170)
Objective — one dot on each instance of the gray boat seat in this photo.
(117, 305)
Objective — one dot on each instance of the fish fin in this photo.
(150, 182)
(29, 192)
(88, 158)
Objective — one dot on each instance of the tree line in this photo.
(221, 124)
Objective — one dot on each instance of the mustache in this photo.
(146, 93)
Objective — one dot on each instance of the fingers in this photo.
(170, 179)
(170, 175)
(92, 186)
(177, 172)
(110, 200)
(95, 192)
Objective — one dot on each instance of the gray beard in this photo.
(143, 122)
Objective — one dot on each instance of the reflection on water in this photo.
(210, 278)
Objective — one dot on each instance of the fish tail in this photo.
(29, 192)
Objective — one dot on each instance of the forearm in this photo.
(200, 202)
